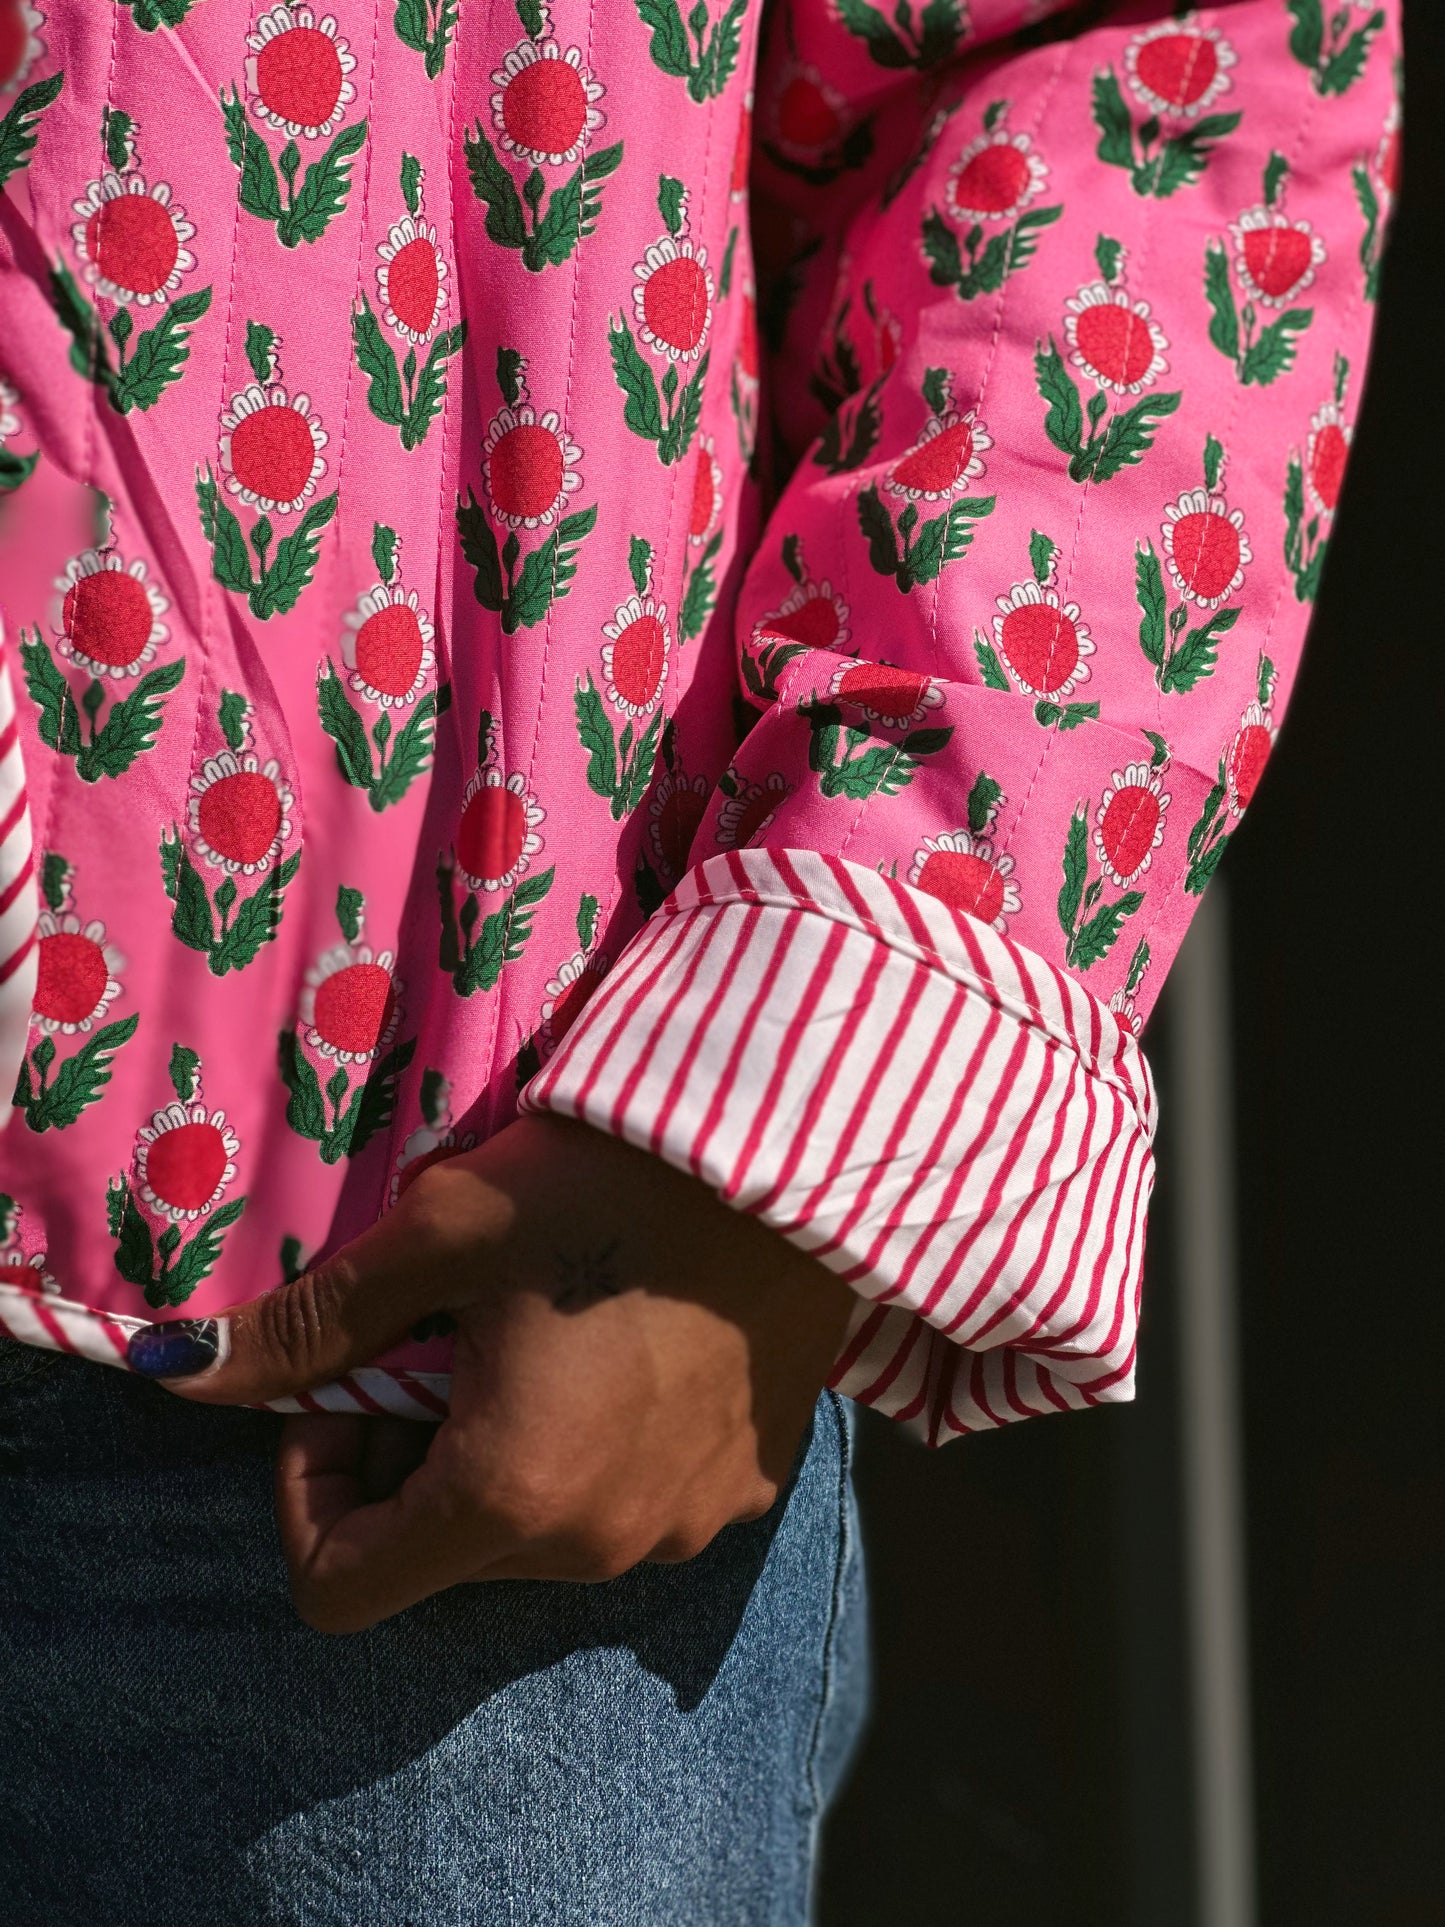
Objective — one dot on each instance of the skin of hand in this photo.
(635, 1365)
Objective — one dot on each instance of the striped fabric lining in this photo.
(956, 1128)
(17, 893)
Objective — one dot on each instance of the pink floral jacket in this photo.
(781, 708)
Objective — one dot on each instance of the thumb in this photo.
(425, 1256)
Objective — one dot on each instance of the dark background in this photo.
(1028, 1762)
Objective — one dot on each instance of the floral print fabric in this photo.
(492, 538)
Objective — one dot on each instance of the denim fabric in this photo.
(178, 1750)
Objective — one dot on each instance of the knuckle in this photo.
(528, 1501)
(445, 1209)
(289, 1326)
(757, 1502)
(429, 1202)
(678, 1547)
(598, 1556)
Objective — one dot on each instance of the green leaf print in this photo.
(912, 554)
(302, 214)
(571, 213)
(151, 14)
(522, 600)
(20, 129)
(475, 961)
(672, 41)
(130, 729)
(426, 26)
(228, 943)
(1156, 168)
(619, 770)
(55, 1103)
(182, 1266)
(1110, 446)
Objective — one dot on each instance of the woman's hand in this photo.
(635, 1365)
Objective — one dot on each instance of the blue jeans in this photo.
(178, 1750)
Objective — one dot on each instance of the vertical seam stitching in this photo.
(840, 1561)
(494, 1098)
(87, 476)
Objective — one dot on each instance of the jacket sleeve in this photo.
(1069, 331)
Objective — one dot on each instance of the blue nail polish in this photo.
(178, 1349)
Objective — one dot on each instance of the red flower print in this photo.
(806, 117)
(271, 451)
(545, 107)
(530, 466)
(866, 343)
(566, 994)
(239, 812)
(1129, 822)
(745, 815)
(813, 614)
(1121, 1004)
(430, 1144)
(634, 658)
(1274, 257)
(1246, 757)
(1113, 340)
(131, 240)
(882, 338)
(707, 493)
(77, 979)
(1206, 545)
(743, 152)
(411, 1163)
(745, 383)
(497, 835)
(1387, 157)
(185, 1157)
(672, 297)
(892, 698)
(411, 280)
(297, 73)
(963, 871)
(675, 811)
(110, 614)
(27, 1273)
(995, 178)
(748, 362)
(1329, 447)
(1178, 67)
(351, 1002)
(387, 646)
(20, 42)
(1042, 641)
(943, 461)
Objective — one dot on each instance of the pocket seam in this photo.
(835, 1603)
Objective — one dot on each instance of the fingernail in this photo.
(180, 1348)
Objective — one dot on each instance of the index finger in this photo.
(424, 1256)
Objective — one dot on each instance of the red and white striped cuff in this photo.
(952, 1125)
(17, 895)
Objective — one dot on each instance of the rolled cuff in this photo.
(18, 956)
(952, 1125)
